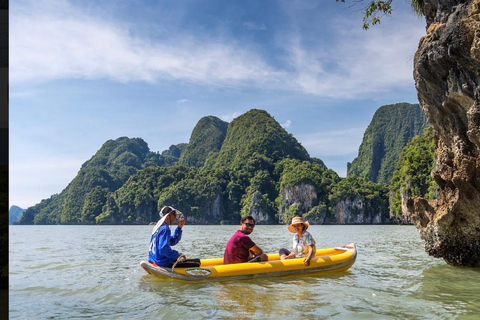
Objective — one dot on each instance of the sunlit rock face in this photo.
(447, 76)
(353, 210)
(303, 195)
(259, 211)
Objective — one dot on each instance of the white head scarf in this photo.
(163, 216)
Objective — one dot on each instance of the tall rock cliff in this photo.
(391, 128)
(360, 201)
(447, 77)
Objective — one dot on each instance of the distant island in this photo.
(14, 214)
(248, 166)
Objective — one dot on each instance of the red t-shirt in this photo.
(237, 249)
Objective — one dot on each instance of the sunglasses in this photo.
(250, 225)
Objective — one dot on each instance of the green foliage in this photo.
(255, 141)
(193, 196)
(317, 213)
(136, 201)
(109, 169)
(292, 211)
(376, 9)
(172, 155)
(94, 202)
(391, 128)
(373, 195)
(207, 137)
(294, 172)
(412, 174)
(125, 183)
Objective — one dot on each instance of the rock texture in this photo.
(447, 76)
(259, 210)
(353, 210)
(302, 195)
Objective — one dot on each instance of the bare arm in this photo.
(309, 256)
(290, 255)
(256, 250)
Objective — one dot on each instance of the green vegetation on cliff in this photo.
(391, 128)
(136, 202)
(256, 139)
(411, 177)
(295, 176)
(106, 171)
(254, 167)
(206, 140)
(172, 155)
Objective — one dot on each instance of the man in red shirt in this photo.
(240, 248)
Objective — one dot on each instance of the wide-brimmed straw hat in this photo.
(297, 220)
(164, 213)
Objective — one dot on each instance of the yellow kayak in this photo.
(325, 261)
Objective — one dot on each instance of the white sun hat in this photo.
(164, 213)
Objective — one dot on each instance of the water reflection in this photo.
(306, 297)
(455, 289)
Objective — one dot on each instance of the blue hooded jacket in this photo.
(160, 250)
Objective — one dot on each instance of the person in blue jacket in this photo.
(160, 252)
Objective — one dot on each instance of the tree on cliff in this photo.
(376, 9)
(411, 177)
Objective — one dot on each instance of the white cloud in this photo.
(230, 117)
(254, 26)
(286, 124)
(355, 62)
(182, 101)
(61, 41)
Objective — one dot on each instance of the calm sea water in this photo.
(82, 272)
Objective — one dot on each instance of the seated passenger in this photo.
(303, 242)
(240, 248)
(160, 252)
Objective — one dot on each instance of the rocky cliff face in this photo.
(303, 195)
(354, 211)
(259, 211)
(447, 76)
(406, 215)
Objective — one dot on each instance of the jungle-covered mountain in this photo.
(253, 166)
(411, 177)
(14, 214)
(391, 128)
(105, 172)
(205, 142)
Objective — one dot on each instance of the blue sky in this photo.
(84, 72)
